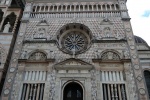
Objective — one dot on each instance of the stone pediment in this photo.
(73, 64)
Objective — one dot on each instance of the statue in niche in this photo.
(110, 55)
(7, 2)
(41, 32)
(24, 55)
(6, 28)
(107, 32)
(11, 18)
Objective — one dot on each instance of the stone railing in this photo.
(74, 14)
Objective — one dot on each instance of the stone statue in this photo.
(107, 32)
(6, 28)
(24, 55)
(110, 55)
(7, 2)
(41, 32)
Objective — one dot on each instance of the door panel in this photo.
(73, 91)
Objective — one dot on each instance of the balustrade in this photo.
(74, 14)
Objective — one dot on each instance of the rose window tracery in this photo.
(74, 38)
(74, 41)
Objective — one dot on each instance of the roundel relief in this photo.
(74, 38)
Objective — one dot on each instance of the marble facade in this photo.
(83, 43)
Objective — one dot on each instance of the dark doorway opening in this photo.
(73, 91)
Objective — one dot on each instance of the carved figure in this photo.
(7, 2)
(24, 55)
(41, 32)
(110, 55)
(126, 54)
(52, 54)
(107, 32)
(6, 28)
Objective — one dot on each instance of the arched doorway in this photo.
(73, 91)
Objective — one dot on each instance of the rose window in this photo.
(74, 39)
(74, 42)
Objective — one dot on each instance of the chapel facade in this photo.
(74, 50)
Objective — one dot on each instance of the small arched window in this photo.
(147, 80)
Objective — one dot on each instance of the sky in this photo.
(139, 11)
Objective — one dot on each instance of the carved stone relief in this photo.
(130, 81)
(16, 86)
(94, 85)
(52, 79)
(94, 25)
(110, 56)
(40, 33)
(37, 56)
(126, 54)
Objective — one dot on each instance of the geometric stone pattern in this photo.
(109, 51)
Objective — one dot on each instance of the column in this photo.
(110, 76)
(92, 7)
(106, 73)
(33, 75)
(44, 8)
(121, 76)
(114, 76)
(26, 75)
(41, 92)
(40, 9)
(24, 91)
(106, 7)
(48, 8)
(35, 8)
(37, 76)
(97, 7)
(27, 93)
(38, 92)
(115, 6)
(103, 77)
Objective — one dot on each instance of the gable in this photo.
(73, 64)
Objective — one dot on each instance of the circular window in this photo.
(74, 39)
(74, 42)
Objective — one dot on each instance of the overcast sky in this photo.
(139, 11)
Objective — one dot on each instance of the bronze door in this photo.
(73, 91)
